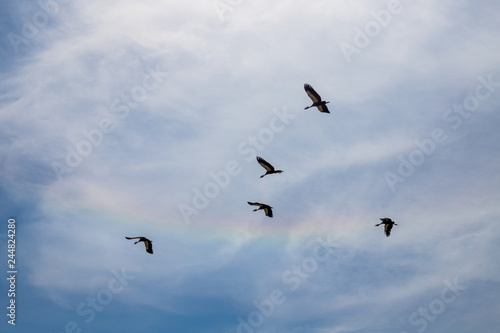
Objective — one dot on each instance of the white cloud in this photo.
(224, 82)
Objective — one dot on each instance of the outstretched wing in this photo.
(266, 165)
(149, 246)
(255, 204)
(323, 108)
(312, 93)
(387, 229)
(268, 211)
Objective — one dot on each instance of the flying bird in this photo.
(388, 223)
(316, 98)
(266, 165)
(147, 242)
(267, 209)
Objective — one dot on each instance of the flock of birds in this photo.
(321, 105)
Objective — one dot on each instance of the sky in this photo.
(144, 118)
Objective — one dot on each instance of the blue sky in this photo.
(126, 118)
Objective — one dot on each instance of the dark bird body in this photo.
(316, 98)
(267, 209)
(388, 223)
(147, 243)
(266, 165)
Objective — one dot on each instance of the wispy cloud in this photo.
(149, 100)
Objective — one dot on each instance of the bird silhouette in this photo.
(266, 165)
(267, 209)
(147, 243)
(388, 223)
(316, 98)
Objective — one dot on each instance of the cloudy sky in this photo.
(143, 118)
